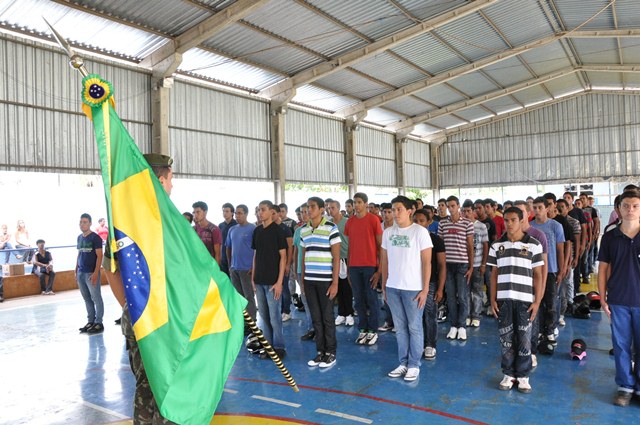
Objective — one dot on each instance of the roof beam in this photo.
(167, 58)
(410, 122)
(377, 47)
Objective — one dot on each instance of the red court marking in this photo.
(257, 415)
(370, 397)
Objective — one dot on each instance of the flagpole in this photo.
(270, 351)
(77, 62)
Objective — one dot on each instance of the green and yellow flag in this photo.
(186, 315)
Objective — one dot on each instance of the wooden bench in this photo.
(28, 284)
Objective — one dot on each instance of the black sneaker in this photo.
(281, 352)
(86, 327)
(308, 336)
(328, 361)
(96, 329)
(317, 360)
(622, 398)
(118, 321)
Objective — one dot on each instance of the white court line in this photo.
(227, 390)
(344, 416)
(275, 400)
(105, 410)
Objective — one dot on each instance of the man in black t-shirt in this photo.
(436, 288)
(269, 263)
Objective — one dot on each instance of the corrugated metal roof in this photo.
(410, 105)
(225, 70)
(426, 9)
(302, 26)
(373, 18)
(594, 50)
(422, 130)
(611, 80)
(627, 12)
(472, 36)
(547, 59)
(389, 68)
(508, 72)
(564, 85)
(502, 105)
(167, 16)
(632, 81)
(439, 95)
(81, 27)
(474, 113)
(383, 117)
(351, 84)
(242, 41)
(519, 21)
(575, 13)
(429, 54)
(446, 121)
(532, 95)
(630, 50)
(317, 97)
(473, 84)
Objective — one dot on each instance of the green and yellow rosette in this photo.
(95, 92)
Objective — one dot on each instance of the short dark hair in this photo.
(570, 194)
(429, 207)
(420, 211)
(188, 215)
(39, 241)
(200, 204)
(442, 200)
(228, 205)
(386, 205)
(468, 203)
(333, 201)
(419, 199)
(617, 201)
(479, 202)
(490, 202)
(276, 208)
(629, 187)
(284, 206)
(267, 203)
(85, 215)
(414, 204)
(629, 194)
(521, 202)
(529, 197)
(550, 195)
(362, 196)
(318, 200)
(515, 210)
(505, 203)
(562, 201)
(349, 202)
(243, 207)
(452, 198)
(541, 200)
(406, 202)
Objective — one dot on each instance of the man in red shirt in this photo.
(490, 207)
(365, 235)
(209, 233)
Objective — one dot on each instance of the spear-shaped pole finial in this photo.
(75, 60)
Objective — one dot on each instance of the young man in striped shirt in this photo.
(457, 233)
(320, 241)
(516, 291)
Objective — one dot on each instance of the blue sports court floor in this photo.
(51, 374)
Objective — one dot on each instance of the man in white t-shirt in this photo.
(405, 260)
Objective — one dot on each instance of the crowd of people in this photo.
(522, 262)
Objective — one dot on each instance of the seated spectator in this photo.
(43, 267)
(5, 244)
(102, 229)
(22, 241)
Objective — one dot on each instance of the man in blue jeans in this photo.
(405, 260)
(88, 275)
(619, 287)
(269, 262)
(457, 233)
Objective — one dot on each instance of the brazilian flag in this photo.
(186, 315)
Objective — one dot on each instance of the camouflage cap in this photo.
(158, 160)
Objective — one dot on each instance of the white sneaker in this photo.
(556, 332)
(362, 337)
(506, 383)
(430, 353)
(468, 322)
(475, 323)
(552, 339)
(523, 385)
(412, 374)
(534, 360)
(340, 320)
(398, 372)
(371, 338)
(348, 321)
(286, 317)
(561, 321)
(462, 334)
(453, 332)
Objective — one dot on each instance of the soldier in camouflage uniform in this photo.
(145, 408)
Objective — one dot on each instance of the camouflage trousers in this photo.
(145, 409)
